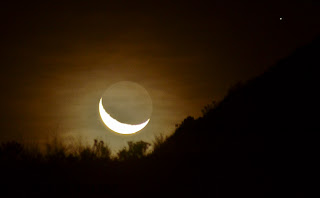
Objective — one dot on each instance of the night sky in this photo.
(58, 58)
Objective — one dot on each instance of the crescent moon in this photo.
(117, 126)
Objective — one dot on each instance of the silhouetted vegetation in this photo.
(256, 142)
(136, 150)
(54, 151)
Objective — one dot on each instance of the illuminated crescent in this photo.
(117, 126)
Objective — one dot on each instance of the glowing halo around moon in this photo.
(117, 126)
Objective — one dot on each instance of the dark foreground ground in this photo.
(258, 142)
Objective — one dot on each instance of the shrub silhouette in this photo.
(12, 151)
(206, 109)
(136, 150)
(87, 154)
(158, 142)
(101, 150)
(55, 149)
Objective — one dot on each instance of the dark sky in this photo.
(58, 58)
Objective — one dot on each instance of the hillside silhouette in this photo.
(259, 141)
